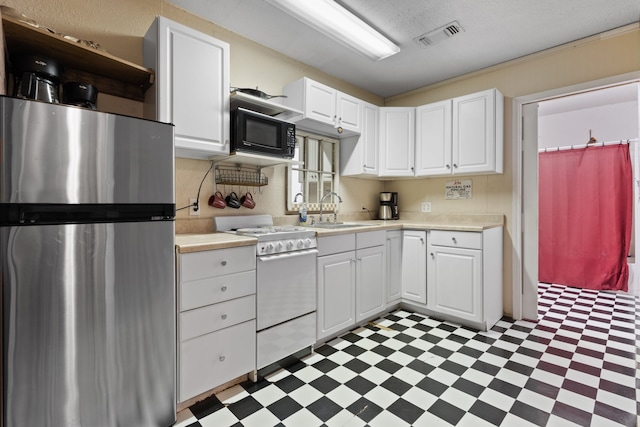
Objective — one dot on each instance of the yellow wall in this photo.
(579, 62)
(119, 25)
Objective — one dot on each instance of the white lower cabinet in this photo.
(216, 358)
(370, 281)
(351, 280)
(464, 276)
(394, 266)
(414, 266)
(216, 319)
(336, 293)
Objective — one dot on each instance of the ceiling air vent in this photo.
(439, 34)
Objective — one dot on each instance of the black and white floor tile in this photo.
(578, 366)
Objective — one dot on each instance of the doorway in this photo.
(567, 107)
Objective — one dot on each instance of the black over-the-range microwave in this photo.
(253, 132)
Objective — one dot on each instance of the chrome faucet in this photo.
(329, 193)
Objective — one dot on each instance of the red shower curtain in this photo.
(585, 217)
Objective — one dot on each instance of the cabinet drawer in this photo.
(457, 239)
(200, 265)
(214, 359)
(335, 244)
(214, 317)
(370, 238)
(211, 290)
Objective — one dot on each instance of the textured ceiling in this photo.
(494, 31)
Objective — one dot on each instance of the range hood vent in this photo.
(439, 34)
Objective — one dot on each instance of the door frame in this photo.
(523, 300)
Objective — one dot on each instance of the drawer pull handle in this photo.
(224, 317)
(224, 288)
(224, 263)
(221, 358)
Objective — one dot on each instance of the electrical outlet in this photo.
(192, 210)
(426, 206)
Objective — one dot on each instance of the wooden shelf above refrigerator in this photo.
(111, 75)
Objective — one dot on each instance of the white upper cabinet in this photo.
(461, 136)
(397, 140)
(359, 154)
(433, 139)
(478, 133)
(319, 102)
(325, 110)
(191, 89)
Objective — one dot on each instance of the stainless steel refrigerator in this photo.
(87, 256)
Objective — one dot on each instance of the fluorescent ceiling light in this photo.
(336, 22)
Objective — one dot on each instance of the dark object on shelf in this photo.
(36, 77)
(256, 92)
(80, 94)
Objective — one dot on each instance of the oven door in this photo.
(286, 286)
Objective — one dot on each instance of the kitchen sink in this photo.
(336, 225)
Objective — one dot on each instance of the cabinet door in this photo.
(370, 138)
(320, 102)
(359, 154)
(192, 75)
(397, 137)
(370, 282)
(414, 266)
(477, 141)
(433, 139)
(336, 293)
(348, 112)
(455, 282)
(394, 265)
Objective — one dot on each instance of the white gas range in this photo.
(272, 239)
(285, 284)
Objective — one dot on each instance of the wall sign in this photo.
(459, 189)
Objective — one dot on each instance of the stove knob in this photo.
(300, 244)
(289, 244)
(270, 247)
(307, 242)
(279, 246)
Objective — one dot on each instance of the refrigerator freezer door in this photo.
(61, 154)
(89, 325)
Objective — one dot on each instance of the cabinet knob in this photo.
(224, 317)
(224, 263)
(422, 240)
(454, 240)
(455, 166)
(224, 288)
(432, 255)
(448, 167)
(221, 358)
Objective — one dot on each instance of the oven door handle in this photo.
(284, 255)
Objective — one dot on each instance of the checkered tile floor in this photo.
(577, 366)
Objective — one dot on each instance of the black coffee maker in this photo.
(36, 77)
(395, 214)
